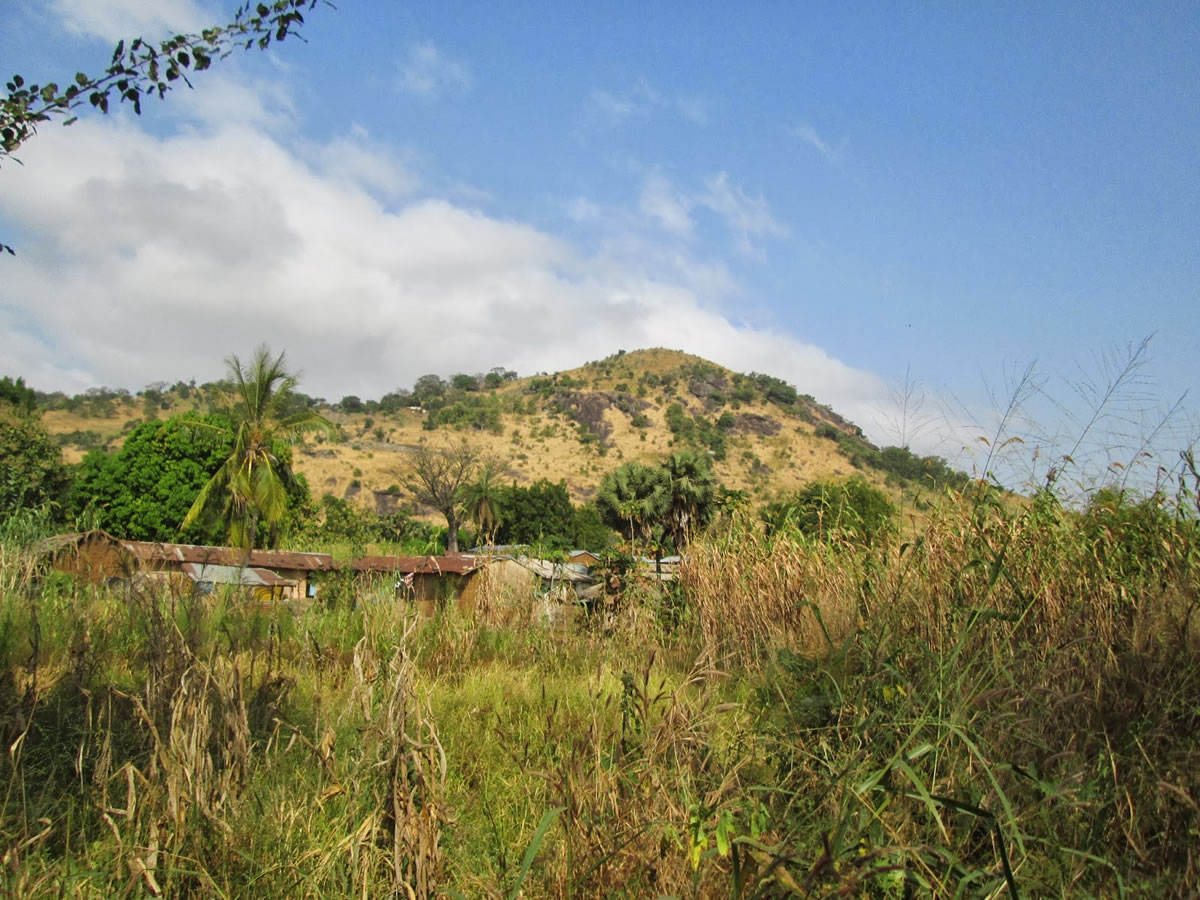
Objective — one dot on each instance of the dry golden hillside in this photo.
(573, 426)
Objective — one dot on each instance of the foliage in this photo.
(480, 412)
(633, 498)
(541, 513)
(691, 491)
(31, 468)
(928, 471)
(590, 531)
(852, 508)
(254, 484)
(145, 489)
(337, 521)
(483, 498)
(142, 69)
(16, 394)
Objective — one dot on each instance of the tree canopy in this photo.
(31, 467)
(144, 490)
(852, 509)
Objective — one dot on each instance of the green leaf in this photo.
(535, 844)
(81, 79)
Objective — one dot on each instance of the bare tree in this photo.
(438, 476)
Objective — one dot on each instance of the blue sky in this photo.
(836, 194)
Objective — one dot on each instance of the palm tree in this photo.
(252, 483)
(691, 490)
(481, 499)
(635, 495)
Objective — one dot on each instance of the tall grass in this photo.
(1004, 704)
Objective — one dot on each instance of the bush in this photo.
(852, 509)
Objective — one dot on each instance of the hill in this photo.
(764, 436)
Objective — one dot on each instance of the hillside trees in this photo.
(15, 392)
(253, 483)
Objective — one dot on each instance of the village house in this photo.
(99, 558)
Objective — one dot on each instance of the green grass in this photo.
(1004, 706)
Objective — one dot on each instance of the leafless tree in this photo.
(438, 475)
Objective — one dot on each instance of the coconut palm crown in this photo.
(252, 483)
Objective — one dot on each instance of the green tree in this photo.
(591, 533)
(14, 392)
(482, 499)
(691, 490)
(252, 484)
(144, 490)
(633, 498)
(851, 508)
(31, 468)
(541, 513)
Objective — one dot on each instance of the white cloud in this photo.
(668, 207)
(749, 218)
(808, 135)
(612, 108)
(355, 159)
(146, 257)
(427, 72)
(581, 209)
(609, 108)
(112, 20)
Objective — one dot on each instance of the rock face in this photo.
(753, 423)
(386, 502)
(707, 386)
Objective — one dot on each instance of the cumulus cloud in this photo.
(112, 20)
(146, 257)
(426, 72)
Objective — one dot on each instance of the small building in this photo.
(430, 581)
(297, 572)
(92, 556)
(98, 557)
(264, 585)
(512, 589)
(585, 558)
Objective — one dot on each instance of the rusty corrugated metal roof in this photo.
(420, 565)
(148, 551)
